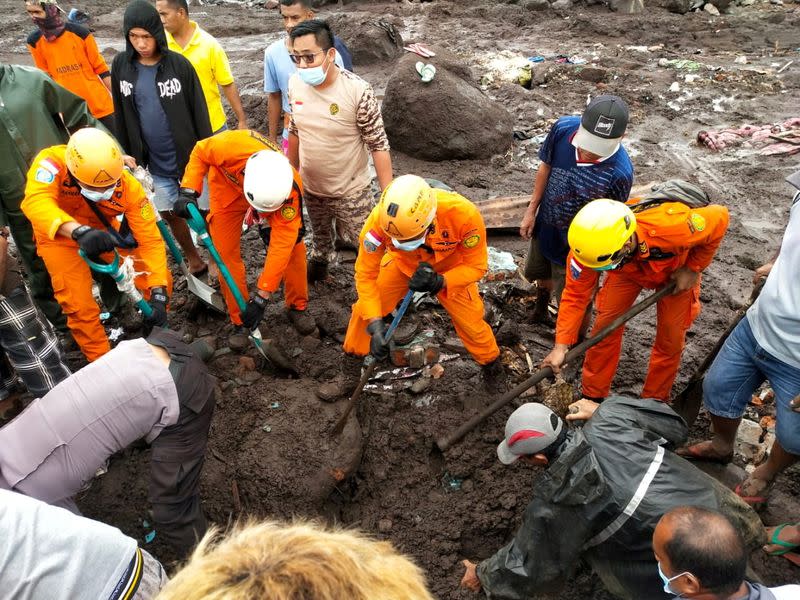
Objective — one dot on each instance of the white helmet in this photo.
(268, 179)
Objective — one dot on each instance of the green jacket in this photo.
(32, 107)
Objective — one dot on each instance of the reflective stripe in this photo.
(637, 498)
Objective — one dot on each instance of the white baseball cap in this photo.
(529, 430)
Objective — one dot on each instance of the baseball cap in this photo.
(603, 124)
(529, 430)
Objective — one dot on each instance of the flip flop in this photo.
(426, 72)
(786, 547)
(691, 453)
(756, 502)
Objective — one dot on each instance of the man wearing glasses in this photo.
(336, 125)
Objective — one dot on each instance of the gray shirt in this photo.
(56, 445)
(47, 552)
(775, 316)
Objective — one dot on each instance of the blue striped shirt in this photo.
(572, 185)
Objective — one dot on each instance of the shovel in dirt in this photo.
(371, 363)
(449, 440)
(123, 274)
(266, 348)
(687, 403)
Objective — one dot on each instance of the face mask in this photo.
(410, 245)
(313, 75)
(668, 580)
(98, 196)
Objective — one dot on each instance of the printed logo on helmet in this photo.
(604, 126)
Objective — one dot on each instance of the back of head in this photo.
(707, 545)
(270, 561)
(142, 14)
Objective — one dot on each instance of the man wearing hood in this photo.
(161, 112)
(69, 54)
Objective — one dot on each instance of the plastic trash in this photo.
(266, 428)
(501, 264)
(150, 537)
(275, 405)
(450, 483)
(536, 59)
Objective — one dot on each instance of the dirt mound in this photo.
(448, 118)
(371, 39)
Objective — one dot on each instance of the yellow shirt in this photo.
(211, 64)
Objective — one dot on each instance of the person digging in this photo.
(422, 239)
(764, 346)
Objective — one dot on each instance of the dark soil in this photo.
(270, 454)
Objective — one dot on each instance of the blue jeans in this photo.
(738, 370)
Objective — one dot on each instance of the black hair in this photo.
(178, 4)
(707, 545)
(552, 451)
(316, 27)
(304, 3)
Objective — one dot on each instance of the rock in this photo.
(679, 6)
(749, 432)
(748, 442)
(536, 5)
(368, 42)
(310, 343)
(251, 377)
(561, 5)
(592, 74)
(711, 9)
(437, 371)
(238, 342)
(421, 385)
(385, 525)
(626, 7)
(448, 118)
(246, 363)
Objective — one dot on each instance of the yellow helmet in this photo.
(407, 207)
(599, 231)
(94, 158)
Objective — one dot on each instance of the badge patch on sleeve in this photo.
(47, 171)
(147, 212)
(472, 241)
(288, 212)
(372, 241)
(575, 269)
(697, 221)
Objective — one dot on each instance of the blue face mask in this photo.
(408, 246)
(668, 580)
(95, 196)
(313, 75)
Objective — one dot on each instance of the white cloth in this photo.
(775, 316)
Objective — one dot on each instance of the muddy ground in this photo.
(270, 455)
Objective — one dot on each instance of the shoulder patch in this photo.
(288, 212)
(46, 171)
(147, 211)
(575, 268)
(472, 241)
(372, 240)
(698, 221)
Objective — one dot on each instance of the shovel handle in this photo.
(447, 441)
(113, 269)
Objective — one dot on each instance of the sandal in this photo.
(693, 453)
(756, 502)
(786, 547)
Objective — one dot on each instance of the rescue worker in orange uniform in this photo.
(642, 250)
(427, 240)
(246, 170)
(71, 190)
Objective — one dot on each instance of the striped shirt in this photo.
(572, 185)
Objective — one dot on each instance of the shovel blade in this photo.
(273, 355)
(205, 292)
(687, 403)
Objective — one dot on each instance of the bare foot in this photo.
(789, 534)
(706, 451)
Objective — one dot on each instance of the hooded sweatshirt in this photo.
(178, 90)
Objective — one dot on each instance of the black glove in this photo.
(254, 312)
(378, 346)
(425, 279)
(186, 196)
(158, 302)
(93, 241)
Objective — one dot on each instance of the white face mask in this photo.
(95, 196)
(668, 580)
(409, 246)
(314, 75)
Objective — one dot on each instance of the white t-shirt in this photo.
(786, 592)
(775, 316)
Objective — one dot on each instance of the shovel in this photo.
(687, 403)
(266, 348)
(370, 364)
(123, 277)
(447, 441)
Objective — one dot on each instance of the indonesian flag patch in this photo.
(46, 171)
(372, 241)
(575, 268)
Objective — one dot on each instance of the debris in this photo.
(266, 428)
(275, 405)
(681, 64)
(115, 334)
(420, 49)
(246, 363)
(675, 87)
(150, 537)
(421, 385)
(501, 265)
(450, 483)
(786, 66)
(437, 371)
(536, 59)
(741, 60)
(105, 316)
(753, 136)
(768, 422)
(711, 9)
(503, 213)
(748, 442)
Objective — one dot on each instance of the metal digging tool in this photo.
(370, 364)
(124, 278)
(267, 349)
(199, 288)
(687, 403)
(447, 441)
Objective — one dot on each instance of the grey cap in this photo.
(529, 430)
(603, 124)
(794, 179)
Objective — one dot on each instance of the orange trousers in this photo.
(674, 316)
(464, 306)
(225, 228)
(72, 284)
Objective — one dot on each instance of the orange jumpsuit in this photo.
(670, 236)
(223, 158)
(52, 198)
(455, 246)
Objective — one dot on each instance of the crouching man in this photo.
(153, 388)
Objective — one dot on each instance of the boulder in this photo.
(370, 39)
(448, 118)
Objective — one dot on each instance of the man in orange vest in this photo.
(72, 198)
(430, 240)
(645, 250)
(246, 170)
